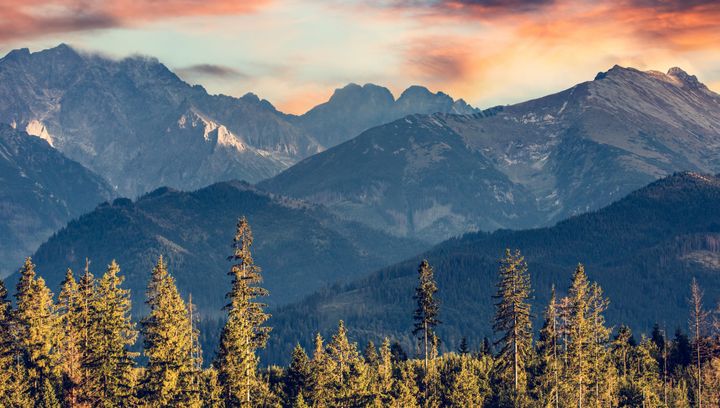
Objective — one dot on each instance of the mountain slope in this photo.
(526, 165)
(299, 246)
(354, 109)
(140, 126)
(643, 250)
(40, 190)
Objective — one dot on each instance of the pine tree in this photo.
(698, 328)
(547, 387)
(192, 378)
(244, 332)
(87, 294)
(405, 390)
(323, 372)
(167, 335)
(513, 321)
(464, 349)
(426, 314)
(385, 372)
(108, 362)
(37, 332)
(211, 390)
(70, 352)
(14, 389)
(602, 373)
(299, 375)
(350, 380)
(579, 339)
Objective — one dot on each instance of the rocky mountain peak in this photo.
(684, 77)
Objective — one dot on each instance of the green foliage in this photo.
(513, 322)
(168, 343)
(108, 361)
(244, 330)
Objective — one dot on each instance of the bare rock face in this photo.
(40, 191)
(137, 124)
(520, 166)
(140, 126)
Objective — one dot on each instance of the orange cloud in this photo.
(34, 18)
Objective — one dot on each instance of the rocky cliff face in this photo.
(137, 124)
(520, 166)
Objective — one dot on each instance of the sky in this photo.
(294, 53)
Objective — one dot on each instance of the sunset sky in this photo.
(295, 53)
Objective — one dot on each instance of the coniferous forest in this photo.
(78, 349)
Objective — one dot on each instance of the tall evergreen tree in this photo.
(513, 321)
(167, 336)
(579, 339)
(350, 380)
(14, 388)
(244, 331)
(85, 322)
(426, 314)
(299, 376)
(547, 383)
(70, 346)
(108, 360)
(37, 333)
(698, 328)
(323, 373)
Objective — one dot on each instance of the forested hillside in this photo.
(643, 250)
(76, 349)
(300, 246)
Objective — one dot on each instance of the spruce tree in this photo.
(244, 331)
(70, 346)
(426, 314)
(579, 339)
(698, 328)
(167, 336)
(385, 372)
(603, 375)
(299, 375)
(464, 349)
(14, 388)
(323, 373)
(109, 363)
(37, 332)
(350, 379)
(513, 322)
(547, 383)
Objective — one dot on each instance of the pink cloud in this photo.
(33, 18)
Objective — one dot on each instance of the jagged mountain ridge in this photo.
(300, 246)
(644, 251)
(40, 190)
(354, 109)
(520, 166)
(140, 126)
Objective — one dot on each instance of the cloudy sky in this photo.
(296, 52)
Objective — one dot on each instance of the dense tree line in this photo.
(76, 350)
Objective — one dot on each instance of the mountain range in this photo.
(136, 123)
(40, 191)
(300, 246)
(643, 250)
(436, 176)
